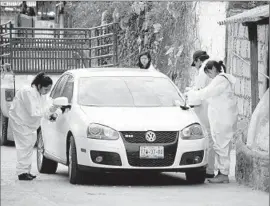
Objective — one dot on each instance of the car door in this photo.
(62, 122)
(49, 129)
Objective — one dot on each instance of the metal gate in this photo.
(31, 50)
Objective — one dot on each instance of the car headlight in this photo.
(191, 132)
(97, 131)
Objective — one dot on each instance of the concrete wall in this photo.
(44, 24)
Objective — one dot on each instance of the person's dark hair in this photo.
(149, 62)
(31, 11)
(203, 57)
(218, 65)
(23, 6)
(42, 80)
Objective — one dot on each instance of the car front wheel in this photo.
(44, 164)
(75, 175)
(196, 176)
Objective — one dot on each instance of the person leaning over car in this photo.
(200, 58)
(28, 107)
(222, 114)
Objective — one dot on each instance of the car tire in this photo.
(196, 176)
(44, 164)
(4, 130)
(74, 174)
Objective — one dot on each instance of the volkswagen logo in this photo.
(150, 136)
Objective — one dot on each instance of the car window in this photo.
(127, 91)
(68, 89)
(57, 90)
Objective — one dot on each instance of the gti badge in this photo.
(150, 136)
(129, 135)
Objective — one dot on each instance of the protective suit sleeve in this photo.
(152, 68)
(215, 88)
(35, 109)
(31, 104)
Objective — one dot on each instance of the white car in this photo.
(121, 120)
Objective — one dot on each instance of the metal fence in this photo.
(5, 46)
(31, 50)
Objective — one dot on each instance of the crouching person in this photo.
(222, 114)
(28, 107)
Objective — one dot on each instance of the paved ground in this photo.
(166, 189)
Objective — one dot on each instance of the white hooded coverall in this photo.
(222, 113)
(27, 109)
(201, 81)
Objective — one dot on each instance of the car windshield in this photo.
(127, 92)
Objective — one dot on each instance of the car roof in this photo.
(109, 71)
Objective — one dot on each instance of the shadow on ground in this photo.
(134, 179)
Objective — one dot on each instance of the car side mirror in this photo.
(60, 101)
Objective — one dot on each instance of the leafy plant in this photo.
(166, 29)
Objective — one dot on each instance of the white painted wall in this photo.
(211, 35)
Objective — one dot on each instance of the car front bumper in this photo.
(120, 155)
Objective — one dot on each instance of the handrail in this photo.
(9, 22)
(62, 29)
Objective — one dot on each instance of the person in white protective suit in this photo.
(200, 58)
(145, 61)
(28, 107)
(222, 114)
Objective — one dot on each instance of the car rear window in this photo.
(127, 92)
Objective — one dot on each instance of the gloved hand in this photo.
(53, 117)
(53, 108)
(65, 108)
(187, 89)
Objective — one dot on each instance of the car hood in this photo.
(140, 119)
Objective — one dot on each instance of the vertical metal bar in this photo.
(67, 55)
(48, 55)
(55, 57)
(39, 54)
(52, 54)
(11, 57)
(115, 47)
(82, 54)
(57, 54)
(26, 53)
(62, 54)
(10, 46)
(61, 47)
(90, 50)
(22, 51)
(32, 51)
(62, 51)
(36, 54)
(59, 57)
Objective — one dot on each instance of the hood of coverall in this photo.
(230, 78)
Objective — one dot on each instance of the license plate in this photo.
(151, 152)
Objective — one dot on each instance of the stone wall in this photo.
(252, 165)
(252, 168)
(238, 63)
